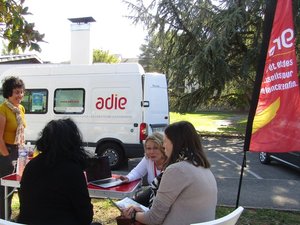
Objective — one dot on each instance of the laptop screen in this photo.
(98, 168)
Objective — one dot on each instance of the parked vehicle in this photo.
(114, 105)
(289, 158)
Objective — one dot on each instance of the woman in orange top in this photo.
(12, 124)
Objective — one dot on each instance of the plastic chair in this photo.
(229, 219)
(6, 222)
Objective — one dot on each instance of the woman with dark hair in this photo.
(12, 124)
(188, 191)
(53, 186)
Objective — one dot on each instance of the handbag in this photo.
(121, 220)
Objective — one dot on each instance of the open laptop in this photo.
(98, 173)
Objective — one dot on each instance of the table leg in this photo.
(6, 196)
(5, 203)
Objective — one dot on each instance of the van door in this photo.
(155, 103)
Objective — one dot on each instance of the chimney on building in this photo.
(81, 50)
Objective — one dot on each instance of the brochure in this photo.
(126, 202)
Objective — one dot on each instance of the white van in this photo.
(114, 105)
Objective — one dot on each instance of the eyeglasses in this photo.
(155, 149)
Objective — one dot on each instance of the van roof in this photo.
(46, 69)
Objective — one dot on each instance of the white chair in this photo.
(6, 222)
(229, 219)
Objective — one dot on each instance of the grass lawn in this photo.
(105, 213)
(214, 123)
(263, 216)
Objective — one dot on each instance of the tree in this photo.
(14, 27)
(5, 50)
(102, 56)
(210, 45)
(147, 58)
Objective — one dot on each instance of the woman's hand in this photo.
(124, 179)
(5, 154)
(127, 212)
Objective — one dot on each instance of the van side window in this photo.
(35, 101)
(69, 101)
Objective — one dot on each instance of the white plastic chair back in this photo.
(230, 219)
(6, 222)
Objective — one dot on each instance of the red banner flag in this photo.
(276, 124)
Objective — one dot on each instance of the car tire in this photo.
(264, 158)
(114, 153)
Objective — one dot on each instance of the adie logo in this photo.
(112, 102)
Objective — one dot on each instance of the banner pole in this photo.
(241, 178)
(268, 22)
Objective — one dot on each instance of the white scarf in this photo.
(20, 137)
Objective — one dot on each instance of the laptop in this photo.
(98, 173)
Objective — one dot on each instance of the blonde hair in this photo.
(158, 139)
(155, 137)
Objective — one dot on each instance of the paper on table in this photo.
(125, 202)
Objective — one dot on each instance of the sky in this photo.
(111, 32)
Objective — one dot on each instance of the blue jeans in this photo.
(6, 168)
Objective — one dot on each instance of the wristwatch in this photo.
(133, 214)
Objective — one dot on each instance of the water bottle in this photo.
(30, 150)
(22, 160)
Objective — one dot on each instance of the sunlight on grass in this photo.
(15, 205)
(104, 212)
(213, 122)
(202, 122)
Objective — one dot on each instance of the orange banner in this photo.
(276, 124)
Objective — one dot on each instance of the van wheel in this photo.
(264, 158)
(114, 153)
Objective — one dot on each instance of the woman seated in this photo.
(152, 164)
(188, 191)
(53, 186)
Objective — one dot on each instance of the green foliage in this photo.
(211, 47)
(14, 27)
(5, 50)
(147, 58)
(101, 56)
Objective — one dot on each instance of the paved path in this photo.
(272, 186)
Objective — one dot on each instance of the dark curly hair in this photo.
(61, 140)
(9, 84)
(186, 144)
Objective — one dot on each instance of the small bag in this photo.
(121, 220)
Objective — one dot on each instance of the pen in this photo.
(115, 204)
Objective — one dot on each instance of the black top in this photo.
(56, 195)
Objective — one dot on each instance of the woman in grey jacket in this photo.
(188, 191)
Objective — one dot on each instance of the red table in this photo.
(118, 192)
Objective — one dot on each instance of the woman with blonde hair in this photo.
(151, 164)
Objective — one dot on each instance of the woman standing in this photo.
(188, 191)
(12, 124)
